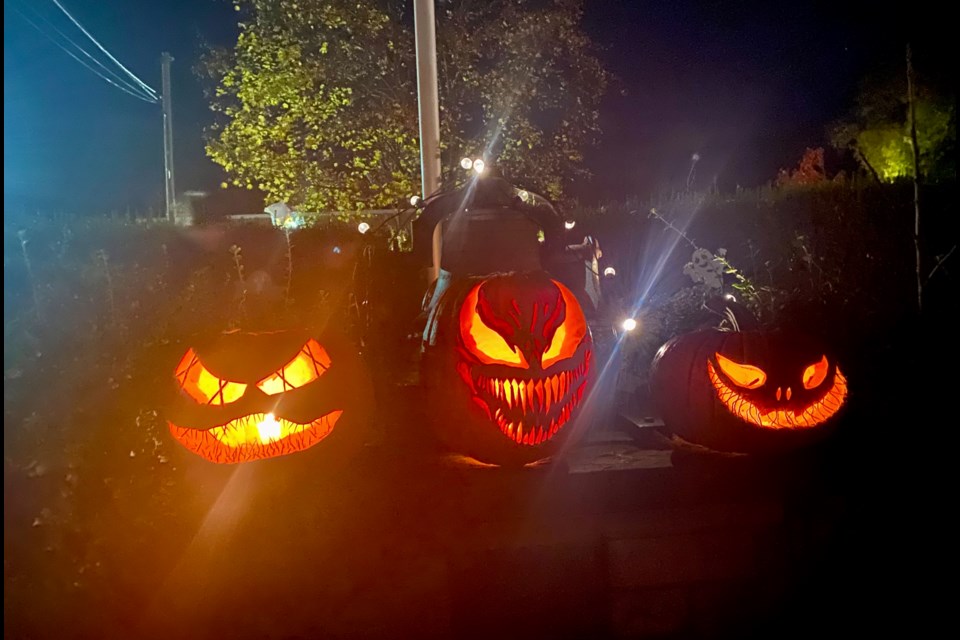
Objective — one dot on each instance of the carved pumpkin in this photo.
(252, 396)
(506, 363)
(747, 391)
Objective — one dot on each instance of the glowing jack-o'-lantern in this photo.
(507, 359)
(747, 391)
(251, 396)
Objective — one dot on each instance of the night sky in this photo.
(746, 85)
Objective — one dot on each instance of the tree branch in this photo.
(940, 261)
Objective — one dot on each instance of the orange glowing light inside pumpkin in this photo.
(814, 375)
(269, 429)
(255, 437)
(311, 363)
(743, 375)
(569, 334)
(816, 413)
(488, 345)
(203, 386)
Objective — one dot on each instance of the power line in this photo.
(136, 91)
(140, 82)
(124, 87)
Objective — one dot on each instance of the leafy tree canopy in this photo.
(877, 130)
(316, 103)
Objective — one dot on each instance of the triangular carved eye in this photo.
(815, 374)
(569, 334)
(486, 344)
(311, 363)
(742, 375)
(203, 386)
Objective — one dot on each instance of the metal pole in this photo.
(170, 190)
(425, 25)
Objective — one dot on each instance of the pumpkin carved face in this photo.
(809, 397)
(256, 396)
(524, 355)
(505, 366)
(747, 391)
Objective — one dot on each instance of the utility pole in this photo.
(170, 191)
(425, 26)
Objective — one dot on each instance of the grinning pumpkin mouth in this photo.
(814, 414)
(530, 412)
(255, 437)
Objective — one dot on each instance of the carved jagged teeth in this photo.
(539, 398)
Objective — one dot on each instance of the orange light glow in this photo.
(269, 429)
(531, 412)
(311, 363)
(569, 334)
(814, 375)
(203, 386)
(255, 437)
(488, 345)
(814, 414)
(744, 375)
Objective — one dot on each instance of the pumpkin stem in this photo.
(737, 315)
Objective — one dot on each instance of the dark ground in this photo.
(622, 539)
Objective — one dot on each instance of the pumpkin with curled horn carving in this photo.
(253, 396)
(506, 365)
(751, 391)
